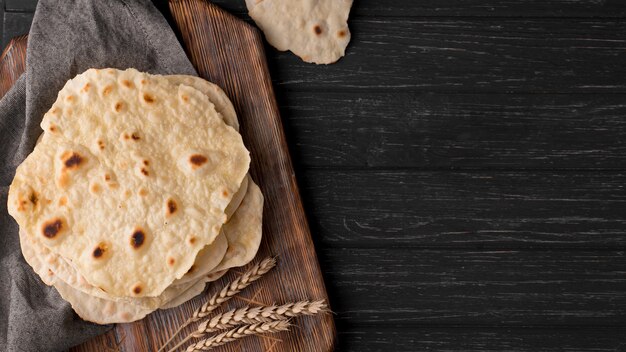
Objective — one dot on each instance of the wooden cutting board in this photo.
(229, 52)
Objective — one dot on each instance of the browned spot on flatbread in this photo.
(171, 206)
(341, 33)
(148, 98)
(62, 201)
(225, 193)
(107, 90)
(64, 180)
(137, 239)
(192, 240)
(33, 198)
(100, 144)
(21, 205)
(171, 261)
(72, 160)
(137, 289)
(107, 177)
(52, 228)
(135, 136)
(143, 192)
(55, 111)
(146, 162)
(144, 171)
(100, 250)
(197, 160)
(95, 188)
(70, 99)
(86, 88)
(143, 81)
(317, 29)
(118, 106)
(128, 84)
(184, 98)
(53, 128)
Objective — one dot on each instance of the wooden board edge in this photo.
(12, 62)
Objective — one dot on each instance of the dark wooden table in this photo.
(464, 172)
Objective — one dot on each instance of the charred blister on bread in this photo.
(54, 228)
(138, 238)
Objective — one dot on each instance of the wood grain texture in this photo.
(412, 287)
(212, 38)
(470, 8)
(469, 55)
(12, 63)
(468, 339)
(472, 210)
(461, 131)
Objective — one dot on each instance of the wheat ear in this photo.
(254, 315)
(233, 288)
(237, 333)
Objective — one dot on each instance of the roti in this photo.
(244, 230)
(315, 30)
(106, 193)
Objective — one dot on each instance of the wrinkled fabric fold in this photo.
(66, 38)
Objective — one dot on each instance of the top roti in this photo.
(130, 180)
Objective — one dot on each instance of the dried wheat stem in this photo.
(233, 288)
(243, 331)
(253, 315)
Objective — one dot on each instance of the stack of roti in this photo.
(137, 193)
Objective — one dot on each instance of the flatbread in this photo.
(216, 95)
(65, 272)
(87, 307)
(244, 233)
(315, 30)
(103, 311)
(193, 291)
(244, 230)
(106, 192)
(237, 198)
(207, 260)
(225, 108)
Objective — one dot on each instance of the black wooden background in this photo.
(464, 172)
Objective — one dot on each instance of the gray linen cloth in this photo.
(66, 38)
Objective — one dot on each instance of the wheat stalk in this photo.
(233, 288)
(254, 315)
(237, 333)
